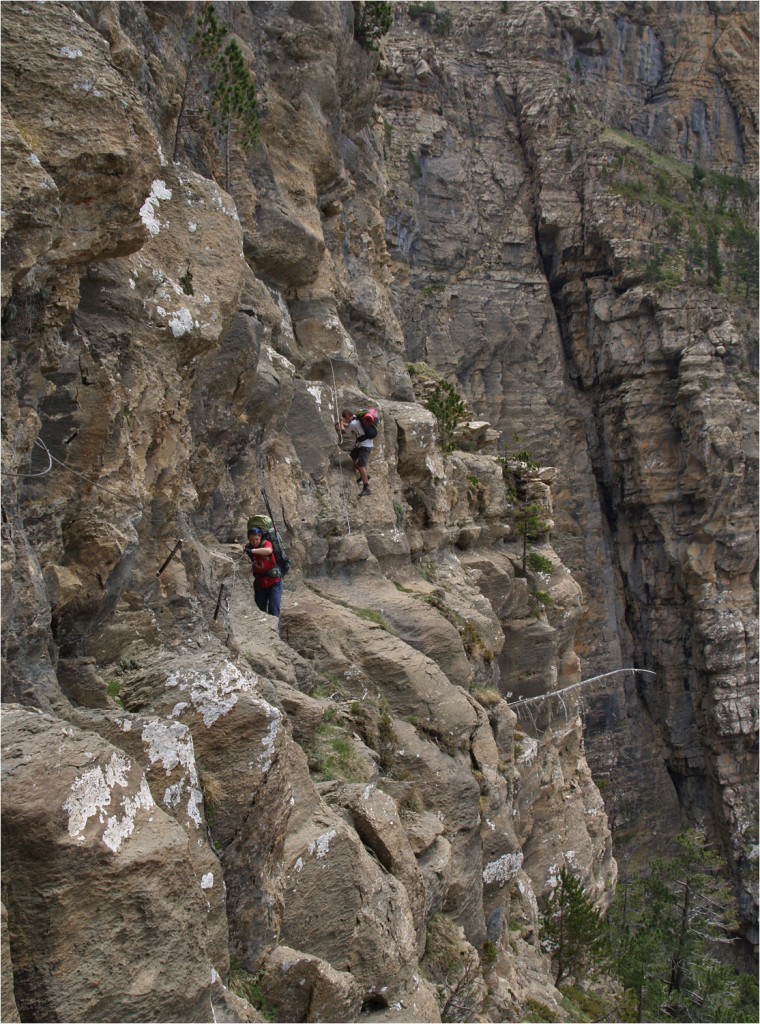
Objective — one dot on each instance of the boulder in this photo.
(107, 862)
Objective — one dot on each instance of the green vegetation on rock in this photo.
(709, 219)
(372, 20)
(449, 410)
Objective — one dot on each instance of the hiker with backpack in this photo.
(267, 575)
(362, 427)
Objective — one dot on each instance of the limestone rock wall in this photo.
(182, 321)
(553, 200)
(179, 332)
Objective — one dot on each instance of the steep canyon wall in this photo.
(566, 147)
(344, 807)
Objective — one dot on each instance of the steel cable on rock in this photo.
(340, 446)
(42, 444)
(139, 509)
(527, 703)
(93, 483)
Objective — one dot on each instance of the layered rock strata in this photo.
(332, 811)
(305, 810)
(594, 290)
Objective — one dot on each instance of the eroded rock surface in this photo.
(304, 816)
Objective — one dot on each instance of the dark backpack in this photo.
(370, 421)
(265, 524)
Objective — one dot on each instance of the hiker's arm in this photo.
(262, 552)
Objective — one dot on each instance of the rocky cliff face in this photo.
(599, 310)
(345, 808)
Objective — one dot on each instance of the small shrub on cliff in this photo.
(211, 789)
(247, 986)
(530, 525)
(538, 563)
(332, 755)
(583, 1005)
(449, 410)
(371, 22)
(373, 722)
(113, 688)
(489, 953)
(709, 219)
(486, 696)
(427, 570)
(538, 1012)
(453, 966)
(374, 616)
(422, 9)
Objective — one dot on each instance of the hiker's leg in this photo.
(274, 595)
(360, 464)
(260, 596)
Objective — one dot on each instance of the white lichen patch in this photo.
(149, 209)
(70, 51)
(207, 882)
(502, 869)
(316, 392)
(346, 347)
(181, 322)
(223, 204)
(93, 792)
(88, 87)
(173, 795)
(171, 744)
(120, 828)
(286, 324)
(319, 847)
(213, 693)
(529, 751)
(270, 737)
(194, 804)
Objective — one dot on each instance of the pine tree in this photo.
(232, 100)
(573, 930)
(530, 525)
(668, 927)
(449, 410)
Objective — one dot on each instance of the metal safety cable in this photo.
(340, 443)
(93, 483)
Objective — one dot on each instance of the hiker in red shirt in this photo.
(267, 577)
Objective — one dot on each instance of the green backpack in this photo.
(265, 524)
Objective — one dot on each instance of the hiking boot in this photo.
(364, 490)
